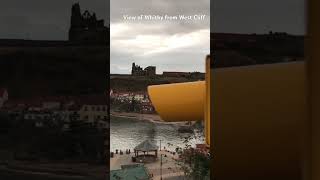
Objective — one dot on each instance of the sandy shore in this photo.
(154, 118)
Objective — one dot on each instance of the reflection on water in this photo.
(126, 133)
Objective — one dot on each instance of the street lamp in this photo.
(160, 166)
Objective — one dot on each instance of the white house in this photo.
(139, 97)
(94, 112)
(37, 115)
(127, 97)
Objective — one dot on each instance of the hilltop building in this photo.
(139, 71)
(86, 28)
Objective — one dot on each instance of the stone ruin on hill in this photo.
(86, 28)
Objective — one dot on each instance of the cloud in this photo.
(137, 7)
(148, 44)
(169, 45)
(180, 52)
(245, 16)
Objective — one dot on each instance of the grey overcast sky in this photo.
(149, 43)
(172, 46)
(179, 45)
(43, 19)
(49, 19)
(258, 16)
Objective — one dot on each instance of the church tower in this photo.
(76, 18)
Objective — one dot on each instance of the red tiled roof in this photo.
(74, 107)
(93, 100)
(128, 92)
(78, 101)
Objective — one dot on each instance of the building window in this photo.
(103, 108)
(85, 108)
(92, 108)
(98, 108)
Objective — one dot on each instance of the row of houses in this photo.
(129, 96)
(92, 109)
(142, 99)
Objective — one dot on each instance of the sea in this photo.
(127, 133)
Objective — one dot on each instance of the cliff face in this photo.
(41, 71)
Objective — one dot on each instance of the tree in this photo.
(194, 163)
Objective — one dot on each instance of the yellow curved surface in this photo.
(179, 101)
(207, 104)
(259, 113)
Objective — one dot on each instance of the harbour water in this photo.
(126, 133)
